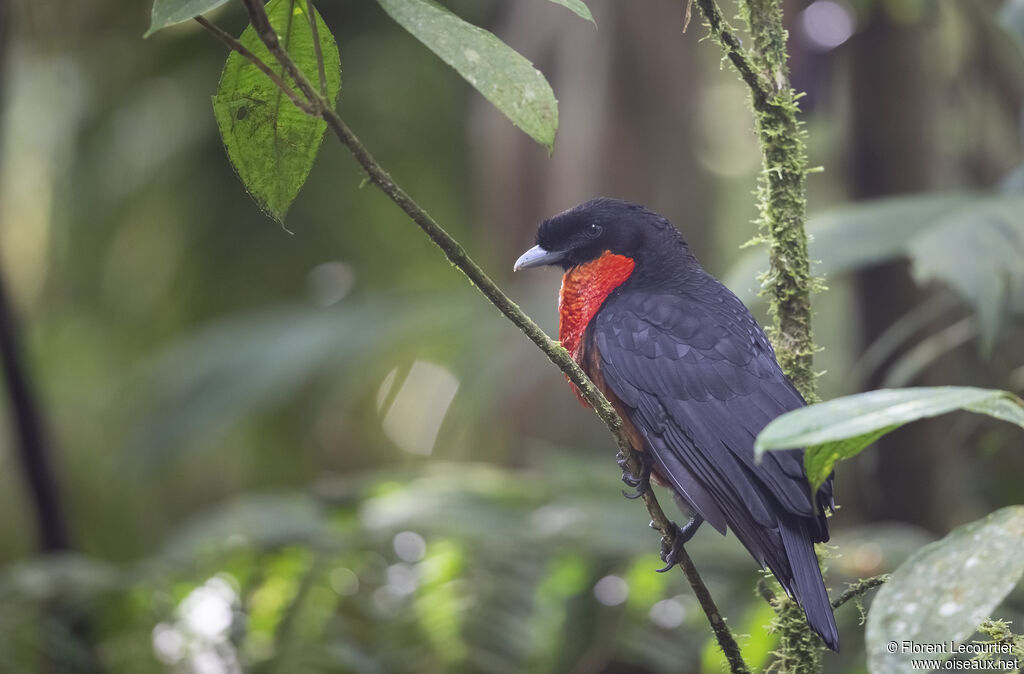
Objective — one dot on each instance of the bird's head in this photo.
(599, 226)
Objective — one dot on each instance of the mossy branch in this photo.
(781, 200)
(1000, 633)
(782, 210)
(316, 104)
(859, 588)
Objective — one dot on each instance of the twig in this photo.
(860, 587)
(321, 70)
(726, 641)
(725, 35)
(234, 45)
(268, 36)
(554, 351)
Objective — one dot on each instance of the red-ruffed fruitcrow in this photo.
(695, 380)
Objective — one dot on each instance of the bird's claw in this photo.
(681, 536)
(639, 483)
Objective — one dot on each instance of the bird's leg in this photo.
(670, 553)
(640, 483)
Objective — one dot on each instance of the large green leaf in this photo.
(271, 143)
(945, 590)
(973, 243)
(64, 576)
(169, 12)
(231, 370)
(979, 252)
(854, 236)
(497, 71)
(841, 428)
(259, 520)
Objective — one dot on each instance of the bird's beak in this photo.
(537, 257)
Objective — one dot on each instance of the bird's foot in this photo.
(670, 550)
(639, 483)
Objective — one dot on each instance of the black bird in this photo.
(695, 380)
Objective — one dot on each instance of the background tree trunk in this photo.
(628, 89)
(895, 89)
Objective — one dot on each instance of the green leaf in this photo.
(841, 428)
(945, 590)
(973, 243)
(228, 372)
(65, 576)
(854, 236)
(578, 8)
(1013, 182)
(979, 252)
(271, 143)
(497, 71)
(820, 459)
(169, 12)
(260, 520)
(1011, 17)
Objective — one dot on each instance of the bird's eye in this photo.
(594, 230)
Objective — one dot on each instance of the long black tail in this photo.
(805, 583)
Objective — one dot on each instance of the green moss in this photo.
(799, 650)
(1000, 633)
(782, 209)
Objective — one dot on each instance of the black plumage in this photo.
(696, 376)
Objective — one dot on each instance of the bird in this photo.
(694, 379)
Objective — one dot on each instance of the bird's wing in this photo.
(699, 379)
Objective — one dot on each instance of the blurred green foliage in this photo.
(322, 451)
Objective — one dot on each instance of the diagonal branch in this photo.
(458, 257)
(557, 355)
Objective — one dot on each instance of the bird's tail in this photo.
(806, 583)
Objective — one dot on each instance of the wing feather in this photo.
(701, 378)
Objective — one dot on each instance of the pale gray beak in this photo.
(537, 257)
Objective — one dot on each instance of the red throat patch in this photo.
(584, 290)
